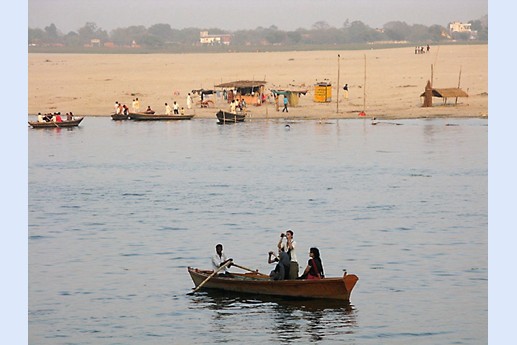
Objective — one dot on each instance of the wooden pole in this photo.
(459, 82)
(364, 87)
(338, 85)
(432, 75)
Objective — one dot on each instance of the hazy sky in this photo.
(70, 15)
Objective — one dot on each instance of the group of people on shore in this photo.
(122, 109)
(286, 261)
(175, 109)
(54, 117)
(237, 105)
(422, 49)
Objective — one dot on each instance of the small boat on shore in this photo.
(158, 117)
(119, 117)
(228, 117)
(261, 284)
(52, 124)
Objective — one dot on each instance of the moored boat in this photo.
(228, 117)
(261, 284)
(158, 117)
(52, 124)
(119, 117)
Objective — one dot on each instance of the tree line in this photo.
(163, 36)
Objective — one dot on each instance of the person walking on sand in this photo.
(168, 109)
(285, 104)
(345, 92)
(176, 108)
(189, 101)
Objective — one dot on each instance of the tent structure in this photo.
(444, 93)
(249, 90)
(292, 94)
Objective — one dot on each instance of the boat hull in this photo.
(259, 284)
(227, 117)
(159, 117)
(51, 124)
(119, 117)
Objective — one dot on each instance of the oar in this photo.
(246, 268)
(210, 276)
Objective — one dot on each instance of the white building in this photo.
(205, 38)
(459, 27)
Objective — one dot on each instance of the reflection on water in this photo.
(290, 320)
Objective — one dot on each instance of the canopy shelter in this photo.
(249, 90)
(292, 94)
(444, 93)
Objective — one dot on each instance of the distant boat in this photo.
(119, 117)
(227, 117)
(52, 124)
(257, 283)
(128, 116)
(158, 117)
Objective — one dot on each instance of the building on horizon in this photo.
(206, 39)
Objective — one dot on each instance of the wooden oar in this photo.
(249, 269)
(210, 276)
(245, 268)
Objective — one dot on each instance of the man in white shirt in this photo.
(219, 259)
(289, 246)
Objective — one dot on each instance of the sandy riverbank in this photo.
(395, 78)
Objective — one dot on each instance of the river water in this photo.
(119, 210)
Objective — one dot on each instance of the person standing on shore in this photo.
(176, 108)
(168, 109)
(285, 104)
(189, 101)
(345, 92)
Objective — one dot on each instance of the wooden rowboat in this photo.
(227, 117)
(51, 124)
(119, 117)
(261, 284)
(158, 117)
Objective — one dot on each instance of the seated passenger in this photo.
(281, 270)
(314, 269)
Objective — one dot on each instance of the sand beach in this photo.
(89, 84)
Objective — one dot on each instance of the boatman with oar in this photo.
(219, 259)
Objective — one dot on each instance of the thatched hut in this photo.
(249, 90)
(444, 93)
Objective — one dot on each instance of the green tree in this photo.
(90, 31)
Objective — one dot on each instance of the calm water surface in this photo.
(119, 210)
